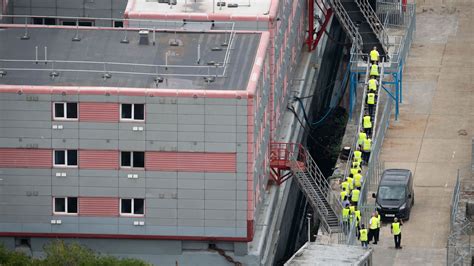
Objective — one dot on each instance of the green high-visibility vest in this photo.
(371, 98)
(372, 85)
(367, 145)
(374, 55)
(367, 122)
(396, 228)
(363, 235)
(374, 70)
(355, 195)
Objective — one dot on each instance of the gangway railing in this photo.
(374, 22)
(347, 23)
(379, 90)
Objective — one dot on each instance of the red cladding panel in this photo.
(25, 158)
(98, 112)
(98, 159)
(108, 207)
(191, 162)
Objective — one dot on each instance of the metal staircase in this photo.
(361, 22)
(297, 162)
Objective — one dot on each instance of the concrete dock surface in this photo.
(434, 132)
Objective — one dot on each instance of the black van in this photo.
(395, 196)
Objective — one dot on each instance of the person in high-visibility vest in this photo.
(397, 232)
(358, 180)
(372, 227)
(362, 137)
(377, 231)
(351, 182)
(345, 218)
(374, 70)
(374, 55)
(343, 194)
(345, 186)
(371, 102)
(354, 171)
(366, 148)
(356, 165)
(363, 236)
(373, 84)
(367, 123)
(355, 194)
(357, 156)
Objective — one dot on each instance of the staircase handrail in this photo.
(374, 126)
(374, 22)
(347, 23)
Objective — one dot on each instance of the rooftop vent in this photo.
(144, 38)
(221, 3)
(233, 5)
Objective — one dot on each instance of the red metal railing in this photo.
(282, 156)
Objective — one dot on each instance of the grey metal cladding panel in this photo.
(190, 128)
(97, 133)
(195, 101)
(11, 227)
(190, 204)
(23, 209)
(190, 146)
(131, 145)
(25, 124)
(43, 11)
(162, 136)
(221, 137)
(165, 203)
(65, 191)
(25, 172)
(161, 213)
(160, 222)
(132, 192)
(70, 12)
(107, 182)
(220, 176)
(191, 175)
(151, 126)
(98, 98)
(220, 231)
(25, 97)
(222, 101)
(98, 173)
(25, 133)
(131, 229)
(220, 204)
(65, 143)
(128, 134)
(99, 126)
(125, 182)
(27, 190)
(65, 228)
(220, 147)
(221, 109)
(36, 228)
(220, 214)
(162, 183)
(191, 109)
(220, 223)
(221, 119)
(26, 115)
(190, 231)
(190, 184)
(221, 184)
(25, 105)
(69, 181)
(25, 180)
(161, 118)
(191, 222)
(241, 204)
(190, 119)
(93, 144)
(65, 98)
(153, 108)
(190, 136)
(65, 133)
(98, 191)
(190, 214)
(131, 99)
(191, 194)
(221, 128)
(21, 218)
(224, 194)
(98, 228)
(159, 174)
(26, 200)
(241, 194)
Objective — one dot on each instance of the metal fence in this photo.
(459, 240)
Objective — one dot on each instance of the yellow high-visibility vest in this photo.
(350, 180)
(356, 165)
(357, 155)
(374, 70)
(396, 228)
(367, 145)
(345, 214)
(354, 171)
(371, 98)
(345, 185)
(357, 214)
(357, 180)
(363, 235)
(373, 223)
(362, 137)
(355, 195)
(367, 122)
(343, 195)
(374, 55)
(352, 209)
(372, 85)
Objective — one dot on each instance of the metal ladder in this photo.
(314, 185)
(347, 23)
(374, 22)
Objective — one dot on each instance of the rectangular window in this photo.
(132, 206)
(65, 158)
(65, 111)
(65, 205)
(118, 24)
(135, 159)
(132, 111)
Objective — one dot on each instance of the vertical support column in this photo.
(352, 93)
(397, 94)
(400, 75)
(309, 41)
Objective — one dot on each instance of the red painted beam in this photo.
(309, 40)
(320, 33)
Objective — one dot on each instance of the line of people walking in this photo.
(352, 184)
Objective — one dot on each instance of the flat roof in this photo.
(244, 7)
(330, 254)
(101, 59)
